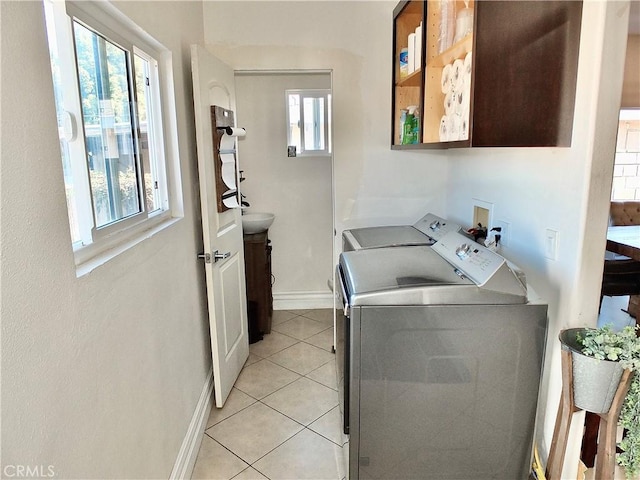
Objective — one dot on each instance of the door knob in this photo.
(216, 256)
(206, 257)
(220, 256)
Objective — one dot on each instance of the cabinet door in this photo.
(408, 59)
(257, 265)
(448, 75)
(525, 76)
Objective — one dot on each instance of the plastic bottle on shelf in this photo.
(416, 125)
(411, 126)
(403, 119)
(418, 49)
(447, 24)
(404, 62)
(411, 53)
(407, 129)
(464, 22)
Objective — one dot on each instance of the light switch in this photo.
(551, 244)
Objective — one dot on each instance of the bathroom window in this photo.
(109, 103)
(308, 122)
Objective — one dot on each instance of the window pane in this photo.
(148, 155)
(294, 121)
(313, 113)
(106, 107)
(54, 56)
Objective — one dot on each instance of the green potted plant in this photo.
(610, 353)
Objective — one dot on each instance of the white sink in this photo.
(257, 222)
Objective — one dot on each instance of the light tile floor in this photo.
(281, 420)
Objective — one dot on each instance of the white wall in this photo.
(100, 374)
(296, 189)
(373, 185)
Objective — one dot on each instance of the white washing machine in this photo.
(426, 231)
(440, 353)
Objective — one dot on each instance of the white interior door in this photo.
(213, 84)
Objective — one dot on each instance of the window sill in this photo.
(313, 155)
(91, 257)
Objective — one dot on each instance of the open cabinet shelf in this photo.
(519, 77)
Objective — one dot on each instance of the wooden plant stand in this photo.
(606, 452)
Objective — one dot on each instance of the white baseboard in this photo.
(186, 460)
(302, 300)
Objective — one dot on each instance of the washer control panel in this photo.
(471, 259)
(435, 226)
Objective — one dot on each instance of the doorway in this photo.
(298, 190)
(626, 169)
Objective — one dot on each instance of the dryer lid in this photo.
(389, 236)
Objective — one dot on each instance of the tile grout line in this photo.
(251, 464)
(232, 453)
(304, 427)
(256, 400)
(298, 340)
(283, 386)
(295, 338)
(260, 400)
(282, 366)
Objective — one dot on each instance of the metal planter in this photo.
(594, 381)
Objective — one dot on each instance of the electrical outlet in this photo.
(505, 232)
(551, 244)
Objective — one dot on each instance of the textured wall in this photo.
(631, 85)
(100, 374)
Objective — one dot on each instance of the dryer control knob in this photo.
(435, 225)
(463, 250)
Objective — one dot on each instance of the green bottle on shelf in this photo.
(411, 126)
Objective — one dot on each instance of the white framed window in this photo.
(308, 122)
(113, 136)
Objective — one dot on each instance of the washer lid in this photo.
(390, 236)
(378, 270)
(419, 275)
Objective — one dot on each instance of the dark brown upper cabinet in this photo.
(484, 73)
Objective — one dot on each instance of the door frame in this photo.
(302, 71)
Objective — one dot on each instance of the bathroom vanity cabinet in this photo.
(257, 258)
(484, 73)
